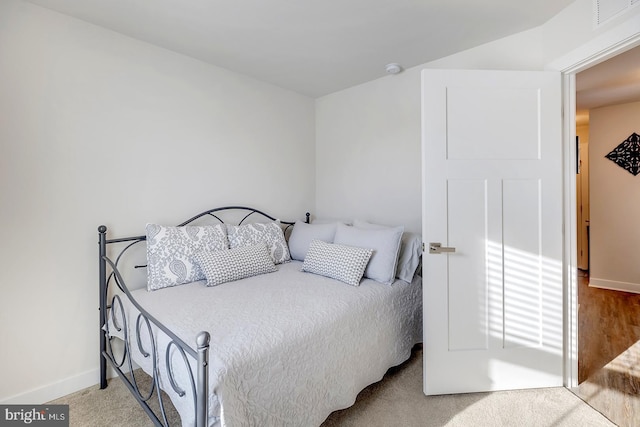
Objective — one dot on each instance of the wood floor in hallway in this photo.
(609, 352)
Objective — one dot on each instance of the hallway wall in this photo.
(615, 201)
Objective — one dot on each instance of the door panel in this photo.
(492, 188)
(515, 139)
(521, 246)
(466, 202)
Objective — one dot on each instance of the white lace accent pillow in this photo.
(340, 262)
(252, 234)
(170, 252)
(235, 264)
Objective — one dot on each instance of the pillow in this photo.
(303, 233)
(410, 251)
(344, 263)
(251, 234)
(170, 252)
(235, 264)
(385, 243)
(330, 221)
(409, 258)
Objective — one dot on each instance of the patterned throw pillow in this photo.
(170, 252)
(235, 264)
(340, 262)
(252, 234)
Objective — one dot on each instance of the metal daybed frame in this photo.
(200, 354)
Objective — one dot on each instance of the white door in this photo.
(492, 189)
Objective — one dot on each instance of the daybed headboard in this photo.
(222, 215)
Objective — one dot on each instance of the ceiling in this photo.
(313, 47)
(615, 81)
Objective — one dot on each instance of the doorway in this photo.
(608, 321)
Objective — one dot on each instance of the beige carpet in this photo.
(397, 400)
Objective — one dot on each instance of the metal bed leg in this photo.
(202, 409)
(102, 242)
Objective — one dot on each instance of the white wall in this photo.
(368, 161)
(572, 31)
(368, 136)
(614, 201)
(97, 128)
(367, 152)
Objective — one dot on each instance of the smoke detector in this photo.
(393, 68)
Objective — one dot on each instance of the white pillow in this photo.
(409, 258)
(303, 233)
(170, 252)
(410, 251)
(235, 264)
(385, 243)
(344, 263)
(329, 221)
(251, 234)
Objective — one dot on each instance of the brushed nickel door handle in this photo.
(437, 248)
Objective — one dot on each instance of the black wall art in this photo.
(627, 154)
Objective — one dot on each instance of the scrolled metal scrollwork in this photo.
(146, 354)
(170, 373)
(152, 327)
(116, 302)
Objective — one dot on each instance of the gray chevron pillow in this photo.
(340, 262)
(235, 264)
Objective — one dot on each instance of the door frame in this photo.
(599, 49)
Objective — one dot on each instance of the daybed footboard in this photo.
(123, 365)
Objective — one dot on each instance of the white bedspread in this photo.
(287, 348)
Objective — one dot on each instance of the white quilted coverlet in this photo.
(287, 348)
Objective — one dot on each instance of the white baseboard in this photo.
(614, 286)
(49, 392)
